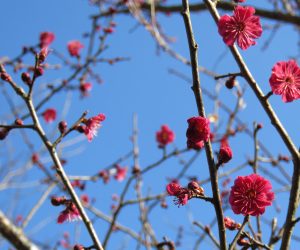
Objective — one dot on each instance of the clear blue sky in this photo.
(142, 86)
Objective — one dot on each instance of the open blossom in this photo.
(198, 132)
(225, 152)
(285, 80)
(164, 136)
(74, 48)
(250, 195)
(121, 173)
(70, 214)
(242, 27)
(49, 115)
(181, 194)
(46, 38)
(92, 125)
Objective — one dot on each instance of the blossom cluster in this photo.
(182, 194)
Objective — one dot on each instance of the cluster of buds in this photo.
(110, 29)
(70, 213)
(119, 173)
(77, 183)
(182, 194)
(230, 224)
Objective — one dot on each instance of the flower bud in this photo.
(39, 71)
(78, 247)
(57, 201)
(80, 128)
(108, 30)
(5, 77)
(19, 122)
(43, 54)
(194, 186)
(62, 126)
(26, 78)
(35, 158)
(230, 82)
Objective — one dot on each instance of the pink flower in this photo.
(85, 88)
(71, 213)
(285, 80)
(74, 48)
(198, 132)
(92, 125)
(250, 195)
(121, 173)
(173, 188)
(164, 136)
(46, 38)
(225, 153)
(85, 199)
(49, 115)
(242, 27)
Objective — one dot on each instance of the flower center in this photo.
(251, 194)
(240, 26)
(289, 79)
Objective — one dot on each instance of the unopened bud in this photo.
(39, 71)
(35, 158)
(57, 201)
(26, 78)
(194, 186)
(5, 77)
(19, 122)
(80, 129)
(259, 126)
(230, 82)
(62, 126)
(108, 30)
(78, 247)
(43, 54)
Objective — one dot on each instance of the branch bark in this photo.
(193, 47)
(15, 235)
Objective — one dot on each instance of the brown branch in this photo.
(193, 47)
(14, 234)
(233, 243)
(197, 7)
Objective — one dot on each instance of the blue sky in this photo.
(143, 86)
